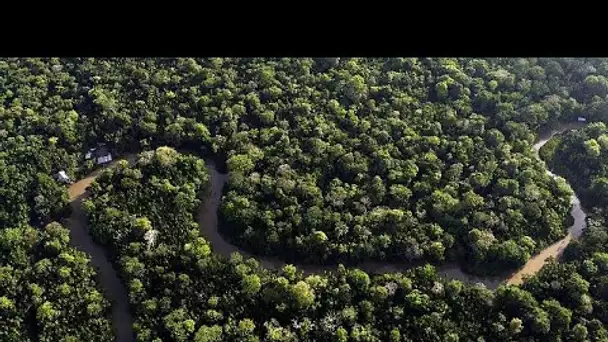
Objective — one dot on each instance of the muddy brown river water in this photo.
(207, 218)
(80, 238)
(556, 249)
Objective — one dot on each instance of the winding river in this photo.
(207, 219)
(556, 249)
(111, 284)
(208, 222)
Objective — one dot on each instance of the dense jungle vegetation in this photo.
(181, 291)
(581, 157)
(48, 290)
(331, 160)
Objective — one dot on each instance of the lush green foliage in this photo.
(48, 290)
(389, 159)
(28, 192)
(331, 160)
(161, 195)
(403, 159)
(181, 291)
(581, 156)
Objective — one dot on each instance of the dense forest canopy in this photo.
(581, 157)
(182, 291)
(330, 160)
(48, 290)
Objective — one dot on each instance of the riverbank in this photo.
(111, 283)
(207, 217)
(556, 249)
(208, 222)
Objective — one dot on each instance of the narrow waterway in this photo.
(208, 221)
(111, 283)
(556, 249)
(207, 218)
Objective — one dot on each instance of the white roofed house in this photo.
(582, 119)
(63, 177)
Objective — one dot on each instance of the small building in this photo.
(582, 119)
(63, 177)
(101, 154)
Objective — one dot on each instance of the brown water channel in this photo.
(207, 218)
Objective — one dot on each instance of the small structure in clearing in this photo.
(582, 119)
(63, 177)
(101, 154)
